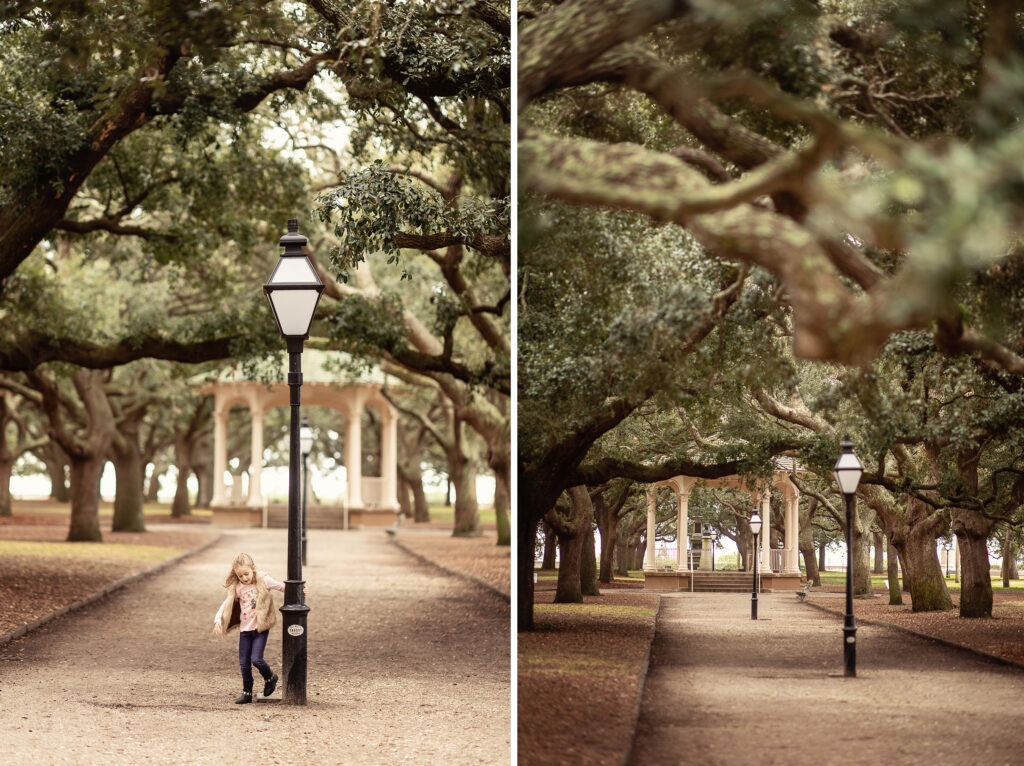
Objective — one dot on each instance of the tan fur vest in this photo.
(266, 615)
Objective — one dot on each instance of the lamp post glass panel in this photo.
(306, 447)
(755, 530)
(848, 470)
(294, 291)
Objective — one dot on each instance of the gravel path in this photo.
(406, 665)
(723, 689)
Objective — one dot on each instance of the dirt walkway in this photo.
(723, 689)
(406, 665)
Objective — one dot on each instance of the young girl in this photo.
(250, 607)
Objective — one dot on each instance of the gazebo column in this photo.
(389, 457)
(354, 454)
(255, 479)
(220, 452)
(766, 531)
(652, 501)
(682, 538)
(792, 532)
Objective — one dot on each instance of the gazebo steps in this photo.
(317, 517)
(723, 582)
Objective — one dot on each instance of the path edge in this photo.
(28, 627)
(454, 572)
(640, 683)
(943, 641)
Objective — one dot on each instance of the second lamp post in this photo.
(848, 470)
(755, 529)
(293, 291)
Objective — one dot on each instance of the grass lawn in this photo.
(839, 579)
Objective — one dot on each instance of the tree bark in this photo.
(85, 498)
(810, 563)
(502, 501)
(6, 469)
(588, 565)
(571, 528)
(976, 586)
(128, 468)
(893, 570)
(56, 461)
(879, 545)
(153, 486)
(404, 506)
(570, 550)
(467, 511)
(1008, 570)
(914, 539)
(183, 458)
(821, 557)
(972, 531)
(550, 544)
(861, 560)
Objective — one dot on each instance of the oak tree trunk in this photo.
(404, 506)
(128, 509)
(893, 571)
(502, 503)
(813, 575)
(467, 511)
(588, 565)
(56, 462)
(879, 545)
(128, 470)
(85, 498)
(1008, 570)
(183, 458)
(570, 552)
(550, 544)
(976, 586)
(914, 541)
(6, 469)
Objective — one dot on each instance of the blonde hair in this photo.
(241, 560)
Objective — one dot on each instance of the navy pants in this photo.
(251, 644)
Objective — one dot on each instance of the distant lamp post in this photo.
(848, 470)
(293, 291)
(948, 546)
(755, 529)
(305, 446)
(714, 539)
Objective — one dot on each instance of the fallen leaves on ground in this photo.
(579, 674)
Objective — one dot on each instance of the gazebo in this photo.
(368, 500)
(785, 575)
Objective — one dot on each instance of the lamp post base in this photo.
(850, 651)
(293, 650)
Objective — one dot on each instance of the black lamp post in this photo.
(293, 291)
(305, 446)
(848, 470)
(948, 546)
(755, 529)
(714, 539)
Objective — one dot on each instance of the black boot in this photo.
(269, 685)
(246, 697)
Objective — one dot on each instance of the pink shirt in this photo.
(246, 595)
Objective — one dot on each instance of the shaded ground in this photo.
(578, 677)
(555, 706)
(40, 573)
(724, 689)
(406, 665)
(1002, 636)
(475, 557)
